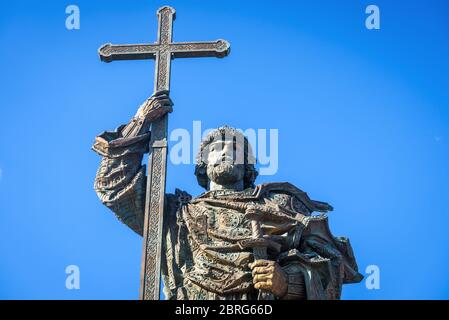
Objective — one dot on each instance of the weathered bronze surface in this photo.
(236, 240)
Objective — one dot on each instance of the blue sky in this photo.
(362, 116)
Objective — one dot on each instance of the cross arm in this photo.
(219, 49)
(110, 52)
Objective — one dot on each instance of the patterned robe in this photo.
(209, 241)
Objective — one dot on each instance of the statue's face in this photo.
(224, 166)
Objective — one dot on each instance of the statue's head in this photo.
(226, 158)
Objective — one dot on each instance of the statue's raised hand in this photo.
(152, 109)
(155, 107)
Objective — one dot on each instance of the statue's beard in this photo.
(225, 173)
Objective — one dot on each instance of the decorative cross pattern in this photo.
(162, 51)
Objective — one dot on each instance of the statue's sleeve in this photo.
(120, 181)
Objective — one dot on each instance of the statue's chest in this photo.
(220, 223)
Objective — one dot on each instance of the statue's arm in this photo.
(120, 181)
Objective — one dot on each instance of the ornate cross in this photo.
(163, 51)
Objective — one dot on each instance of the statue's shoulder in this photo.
(290, 196)
(175, 200)
(178, 198)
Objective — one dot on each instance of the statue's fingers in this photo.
(166, 101)
(262, 270)
(167, 107)
(262, 278)
(144, 106)
(160, 93)
(259, 263)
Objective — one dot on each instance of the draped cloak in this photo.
(209, 242)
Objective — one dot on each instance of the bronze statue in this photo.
(210, 241)
(235, 241)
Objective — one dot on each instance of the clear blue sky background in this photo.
(363, 120)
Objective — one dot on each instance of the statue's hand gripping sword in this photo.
(259, 245)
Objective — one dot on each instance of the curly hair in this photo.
(250, 174)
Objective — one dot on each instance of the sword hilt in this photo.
(259, 252)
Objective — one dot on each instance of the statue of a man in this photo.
(235, 240)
